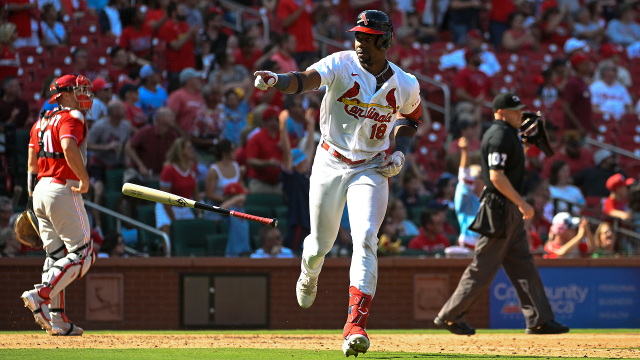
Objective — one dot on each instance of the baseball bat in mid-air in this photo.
(164, 197)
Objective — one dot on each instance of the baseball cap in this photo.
(189, 73)
(616, 181)
(234, 188)
(574, 44)
(564, 218)
(297, 156)
(470, 52)
(507, 101)
(100, 84)
(270, 112)
(148, 70)
(601, 155)
(578, 59)
(608, 50)
(546, 5)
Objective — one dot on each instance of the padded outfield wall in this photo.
(189, 293)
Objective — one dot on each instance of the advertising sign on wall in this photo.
(580, 298)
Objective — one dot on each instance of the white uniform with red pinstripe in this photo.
(63, 222)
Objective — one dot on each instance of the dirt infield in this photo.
(569, 345)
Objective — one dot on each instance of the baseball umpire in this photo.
(57, 178)
(366, 98)
(500, 222)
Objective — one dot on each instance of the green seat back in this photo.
(416, 211)
(110, 201)
(216, 244)
(425, 199)
(223, 227)
(405, 239)
(154, 184)
(113, 180)
(266, 200)
(148, 241)
(188, 237)
(452, 220)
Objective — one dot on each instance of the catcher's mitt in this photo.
(26, 229)
(533, 130)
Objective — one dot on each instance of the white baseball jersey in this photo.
(355, 119)
(610, 99)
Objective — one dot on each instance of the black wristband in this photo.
(282, 82)
(408, 122)
(299, 82)
(402, 143)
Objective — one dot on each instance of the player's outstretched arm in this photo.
(289, 83)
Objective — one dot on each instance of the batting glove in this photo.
(392, 165)
(265, 79)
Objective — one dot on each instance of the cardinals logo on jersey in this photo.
(358, 109)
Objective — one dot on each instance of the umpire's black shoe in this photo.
(550, 327)
(461, 328)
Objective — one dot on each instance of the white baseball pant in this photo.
(63, 225)
(366, 193)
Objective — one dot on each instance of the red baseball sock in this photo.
(358, 313)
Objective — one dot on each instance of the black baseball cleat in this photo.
(461, 328)
(550, 327)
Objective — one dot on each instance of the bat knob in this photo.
(274, 223)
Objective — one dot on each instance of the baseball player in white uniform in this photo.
(366, 97)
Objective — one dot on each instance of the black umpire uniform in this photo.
(504, 240)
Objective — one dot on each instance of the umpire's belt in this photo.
(339, 156)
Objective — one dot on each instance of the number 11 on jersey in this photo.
(378, 131)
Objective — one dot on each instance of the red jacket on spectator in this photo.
(422, 242)
(501, 9)
(247, 62)
(69, 6)
(182, 58)
(21, 18)
(613, 204)
(558, 37)
(301, 28)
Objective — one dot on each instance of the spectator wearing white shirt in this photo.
(565, 197)
(271, 239)
(608, 96)
(587, 29)
(456, 59)
(611, 52)
(53, 33)
(110, 23)
(624, 30)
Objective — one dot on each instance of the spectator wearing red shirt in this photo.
(569, 237)
(264, 155)
(20, 12)
(499, 20)
(431, 239)
(148, 147)
(576, 97)
(287, 45)
(554, 29)
(157, 14)
(210, 120)
(571, 152)
(471, 84)
(119, 71)
(70, 7)
(179, 38)
(616, 204)
(136, 38)
(271, 96)
(295, 17)
(407, 53)
(178, 177)
(187, 101)
(9, 60)
(129, 95)
(518, 38)
(247, 53)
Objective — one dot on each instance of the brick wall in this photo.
(151, 290)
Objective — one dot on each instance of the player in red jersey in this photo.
(57, 178)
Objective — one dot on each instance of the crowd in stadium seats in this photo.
(175, 108)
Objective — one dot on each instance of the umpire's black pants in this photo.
(511, 252)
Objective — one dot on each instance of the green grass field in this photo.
(260, 354)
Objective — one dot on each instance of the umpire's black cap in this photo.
(507, 101)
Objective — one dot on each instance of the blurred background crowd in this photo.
(175, 108)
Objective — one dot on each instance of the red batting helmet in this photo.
(81, 87)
